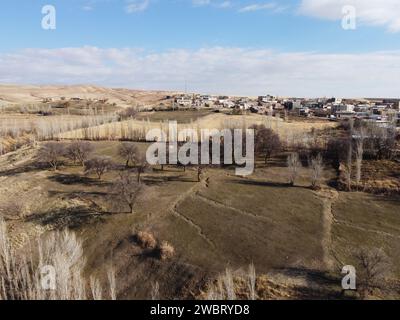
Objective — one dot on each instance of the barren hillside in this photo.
(16, 94)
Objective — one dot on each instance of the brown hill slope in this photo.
(20, 94)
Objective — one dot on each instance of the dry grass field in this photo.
(297, 238)
(289, 132)
(293, 235)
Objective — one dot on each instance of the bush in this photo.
(128, 113)
(146, 240)
(166, 251)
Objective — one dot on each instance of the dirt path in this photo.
(225, 206)
(190, 192)
(328, 197)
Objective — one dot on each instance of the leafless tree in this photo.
(199, 172)
(349, 161)
(141, 165)
(51, 153)
(380, 141)
(336, 151)
(373, 267)
(129, 113)
(360, 137)
(79, 151)
(267, 142)
(98, 165)
(294, 165)
(317, 167)
(126, 190)
(128, 151)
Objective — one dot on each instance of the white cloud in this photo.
(134, 6)
(238, 71)
(370, 12)
(258, 7)
(215, 3)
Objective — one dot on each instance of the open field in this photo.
(294, 235)
(297, 238)
(179, 116)
(135, 129)
(367, 220)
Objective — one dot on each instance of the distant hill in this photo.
(20, 94)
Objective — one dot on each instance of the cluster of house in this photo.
(380, 110)
(262, 104)
(73, 99)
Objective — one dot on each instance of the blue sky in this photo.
(203, 35)
(167, 24)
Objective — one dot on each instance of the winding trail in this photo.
(190, 192)
(328, 196)
(225, 206)
(195, 226)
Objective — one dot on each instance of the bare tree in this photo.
(317, 167)
(128, 151)
(267, 142)
(336, 151)
(380, 142)
(141, 165)
(373, 267)
(349, 164)
(98, 165)
(126, 190)
(79, 151)
(360, 137)
(294, 165)
(129, 113)
(199, 172)
(349, 161)
(51, 153)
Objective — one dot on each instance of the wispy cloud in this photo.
(258, 7)
(214, 3)
(134, 6)
(370, 12)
